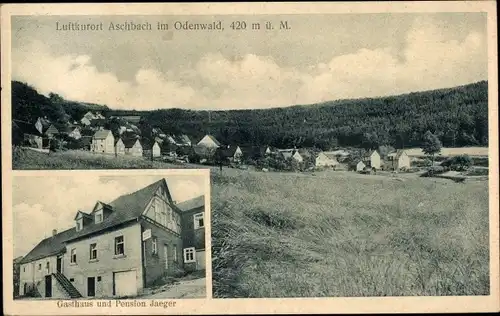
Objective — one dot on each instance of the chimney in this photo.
(54, 232)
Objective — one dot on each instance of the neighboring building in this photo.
(231, 153)
(103, 141)
(398, 160)
(193, 233)
(118, 249)
(42, 124)
(156, 149)
(184, 140)
(26, 134)
(256, 152)
(372, 159)
(326, 159)
(85, 121)
(74, 132)
(359, 165)
(209, 141)
(119, 147)
(294, 154)
(133, 147)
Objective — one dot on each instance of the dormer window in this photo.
(98, 217)
(79, 224)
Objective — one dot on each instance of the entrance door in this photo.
(59, 264)
(91, 286)
(48, 286)
(165, 255)
(125, 283)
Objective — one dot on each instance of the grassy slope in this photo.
(30, 160)
(278, 235)
(334, 234)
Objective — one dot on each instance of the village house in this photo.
(184, 140)
(230, 153)
(372, 159)
(133, 147)
(398, 160)
(209, 141)
(256, 152)
(103, 141)
(119, 147)
(326, 159)
(118, 249)
(291, 154)
(156, 149)
(73, 132)
(46, 128)
(24, 133)
(85, 121)
(193, 233)
(357, 165)
(129, 118)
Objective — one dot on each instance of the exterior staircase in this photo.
(66, 284)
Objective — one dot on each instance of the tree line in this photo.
(457, 116)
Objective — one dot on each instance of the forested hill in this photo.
(28, 105)
(458, 116)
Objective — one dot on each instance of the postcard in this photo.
(250, 158)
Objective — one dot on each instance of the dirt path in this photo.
(184, 289)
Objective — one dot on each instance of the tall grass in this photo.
(288, 236)
(23, 158)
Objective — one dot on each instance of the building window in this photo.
(98, 279)
(39, 266)
(73, 255)
(189, 255)
(154, 246)
(72, 280)
(98, 217)
(24, 269)
(174, 256)
(93, 251)
(198, 220)
(47, 267)
(119, 246)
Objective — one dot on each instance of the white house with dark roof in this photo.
(103, 141)
(118, 249)
(399, 160)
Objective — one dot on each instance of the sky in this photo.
(320, 58)
(41, 204)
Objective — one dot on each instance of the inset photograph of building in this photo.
(90, 236)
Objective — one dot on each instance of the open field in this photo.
(283, 235)
(448, 152)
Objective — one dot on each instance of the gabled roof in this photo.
(26, 128)
(125, 209)
(329, 155)
(130, 142)
(97, 122)
(212, 138)
(370, 153)
(83, 214)
(184, 139)
(102, 134)
(254, 151)
(397, 154)
(50, 246)
(227, 151)
(191, 204)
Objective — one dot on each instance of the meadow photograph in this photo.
(350, 155)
